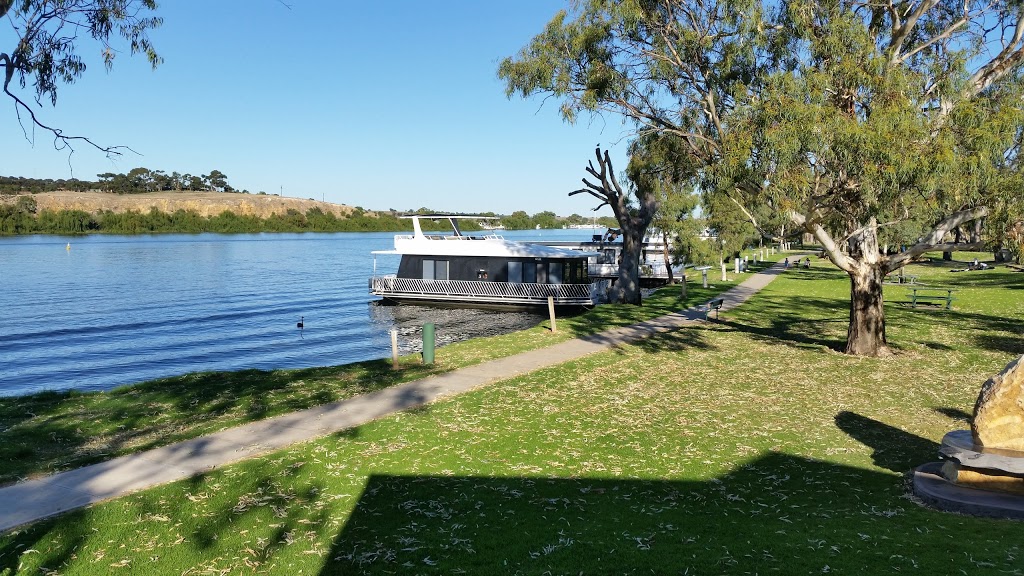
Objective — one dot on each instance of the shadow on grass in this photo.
(48, 432)
(270, 497)
(774, 513)
(786, 324)
(757, 518)
(955, 414)
(894, 449)
(782, 319)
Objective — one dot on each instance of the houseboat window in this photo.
(515, 272)
(435, 269)
(554, 273)
(530, 273)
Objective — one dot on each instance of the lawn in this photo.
(748, 445)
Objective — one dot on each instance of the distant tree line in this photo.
(520, 220)
(136, 181)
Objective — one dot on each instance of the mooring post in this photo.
(394, 348)
(428, 343)
(551, 313)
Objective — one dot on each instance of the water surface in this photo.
(115, 310)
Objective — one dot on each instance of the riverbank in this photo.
(53, 431)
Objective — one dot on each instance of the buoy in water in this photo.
(68, 247)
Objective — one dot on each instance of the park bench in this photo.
(924, 294)
(715, 305)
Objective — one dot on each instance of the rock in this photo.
(982, 479)
(999, 411)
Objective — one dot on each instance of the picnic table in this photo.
(901, 279)
(930, 294)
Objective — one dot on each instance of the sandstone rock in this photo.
(982, 479)
(999, 411)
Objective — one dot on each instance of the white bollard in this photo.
(394, 349)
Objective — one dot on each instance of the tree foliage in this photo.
(45, 50)
(852, 120)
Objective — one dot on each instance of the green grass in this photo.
(743, 446)
(49, 432)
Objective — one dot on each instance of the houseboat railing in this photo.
(512, 292)
(450, 237)
(647, 270)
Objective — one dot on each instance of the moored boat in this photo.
(458, 269)
(605, 252)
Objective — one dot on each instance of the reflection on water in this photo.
(450, 324)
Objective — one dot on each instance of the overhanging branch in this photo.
(935, 237)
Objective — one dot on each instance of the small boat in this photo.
(456, 269)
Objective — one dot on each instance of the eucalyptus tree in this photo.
(845, 116)
(45, 51)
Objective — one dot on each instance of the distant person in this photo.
(785, 263)
(807, 263)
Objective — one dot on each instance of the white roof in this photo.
(460, 244)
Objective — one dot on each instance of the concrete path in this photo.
(37, 499)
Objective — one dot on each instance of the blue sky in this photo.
(375, 104)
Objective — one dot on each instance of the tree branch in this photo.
(935, 237)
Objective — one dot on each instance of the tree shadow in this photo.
(269, 495)
(955, 414)
(53, 431)
(894, 449)
(757, 518)
(787, 325)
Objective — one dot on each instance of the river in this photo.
(97, 312)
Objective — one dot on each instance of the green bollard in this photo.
(428, 343)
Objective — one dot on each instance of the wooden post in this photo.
(394, 349)
(551, 313)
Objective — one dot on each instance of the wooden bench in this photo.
(925, 294)
(715, 305)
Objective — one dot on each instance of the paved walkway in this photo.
(37, 499)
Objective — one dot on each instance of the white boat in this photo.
(457, 269)
(605, 251)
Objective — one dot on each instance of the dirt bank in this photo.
(204, 203)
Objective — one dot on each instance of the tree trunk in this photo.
(866, 334)
(668, 259)
(627, 288)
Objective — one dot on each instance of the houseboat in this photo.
(458, 269)
(605, 252)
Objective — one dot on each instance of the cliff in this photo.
(204, 203)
